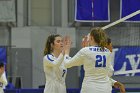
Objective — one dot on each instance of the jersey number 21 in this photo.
(100, 61)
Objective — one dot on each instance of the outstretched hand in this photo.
(67, 44)
(85, 41)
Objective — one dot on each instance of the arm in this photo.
(110, 70)
(115, 83)
(77, 60)
(112, 81)
(49, 60)
(120, 86)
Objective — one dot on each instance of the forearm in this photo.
(51, 61)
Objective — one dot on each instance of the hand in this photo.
(120, 86)
(85, 41)
(67, 44)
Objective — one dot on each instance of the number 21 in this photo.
(100, 61)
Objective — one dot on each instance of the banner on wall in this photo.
(3, 54)
(92, 11)
(129, 6)
(126, 60)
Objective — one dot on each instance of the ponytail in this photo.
(100, 37)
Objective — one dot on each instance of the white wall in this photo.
(21, 37)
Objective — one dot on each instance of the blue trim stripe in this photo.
(49, 58)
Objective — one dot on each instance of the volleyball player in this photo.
(55, 72)
(96, 60)
(113, 82)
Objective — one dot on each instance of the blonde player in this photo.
(96, 61)
(3, 80)
(54, 69)
(113, 82)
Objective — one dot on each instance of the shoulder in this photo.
(84, 49)
(90, 48)
(49, 57)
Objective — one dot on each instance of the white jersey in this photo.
(3, 82)
(97, 65)
(55, 73)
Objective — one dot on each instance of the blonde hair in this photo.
(99, 36)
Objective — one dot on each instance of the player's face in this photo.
(58, 44)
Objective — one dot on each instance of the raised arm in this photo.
(77, 60)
